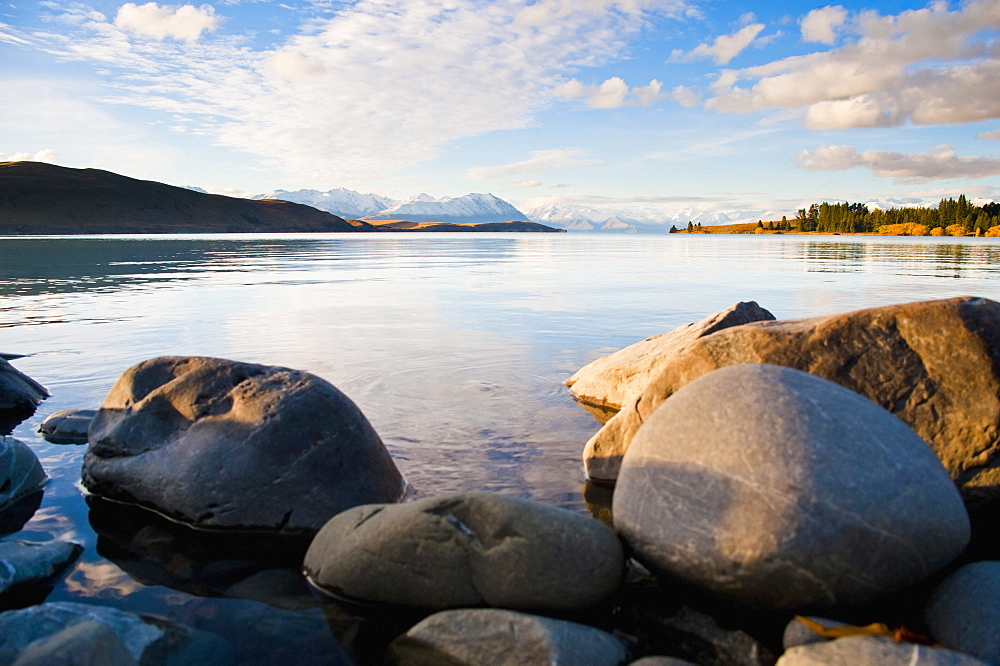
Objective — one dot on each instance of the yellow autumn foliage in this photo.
(904, 229)
(937, 231)
(993, 231)
(955, 230)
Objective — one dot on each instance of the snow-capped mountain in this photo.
(469, 208)
(342, 202)
(574, 217)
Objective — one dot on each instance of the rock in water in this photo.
(86, 644)
(20, 472)
(964, 611)
(227, 445)
(67, 426)
(782, 490)
(934, 364)
(874, 650)
(612, 380)
(24, 563)
(492, 636)
(18, 390)
(467, 550)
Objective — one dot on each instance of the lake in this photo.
(455, 346)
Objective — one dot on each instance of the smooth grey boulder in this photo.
(612, 380)
(153, 641)
(780, 489)
(963, 612)
(796, 633)
(20, 472)
(24, 563)
(221, 444)
(467, 550)
(67, 426)
(18, 390)
(85, 644)
(873, 650)
(502, 637)
(933, 364)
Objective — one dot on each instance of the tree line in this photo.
(952, 217)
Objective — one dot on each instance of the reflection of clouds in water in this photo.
(100, 580)
(53, 521)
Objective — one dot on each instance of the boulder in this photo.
(934, 364)
(612, 380)
(220, 444)
(963, 612)
(18, 390)
(26, 563)
(467, 550)
(85, 644)
(147, 641)
(20, 472)
(860, 650)
(782, 490)
(67, 426)
(493, 636)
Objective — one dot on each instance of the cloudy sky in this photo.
(648, 104)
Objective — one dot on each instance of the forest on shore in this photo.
(952, 217)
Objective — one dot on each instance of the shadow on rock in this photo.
(11, 418)
(14, 516)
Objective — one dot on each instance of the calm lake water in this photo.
(455, 346)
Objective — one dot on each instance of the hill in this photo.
(39, 198)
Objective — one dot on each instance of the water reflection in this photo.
(969, 259)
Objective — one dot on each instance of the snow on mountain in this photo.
(574, 217)
(468, 208)
(342, 202)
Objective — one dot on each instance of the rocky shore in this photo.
(817, 491)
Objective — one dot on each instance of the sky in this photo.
(628, 105)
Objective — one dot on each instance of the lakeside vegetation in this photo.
(952, 217)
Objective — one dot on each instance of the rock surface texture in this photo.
(467, 550)
(67, 426)
(18, 390)
(874, 650)
(85, 644)
(783, 490)
(24, 563)
(226, 445)
(20, 471)
(934, 364)
(500, 637)
(612, 380)
(963, 613)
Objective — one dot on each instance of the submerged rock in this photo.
(87, 644)
(780, 489)
(934, 364)
(67, 426)
(20, 472)
(18, 391)
(492, 636)
(963, 612)
(153, 642)
(221, 444)
(25, 563)
(467, 550)
(612, 380)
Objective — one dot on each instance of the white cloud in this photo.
(614, 93)
(940, 163)
(990, 136)
(926, 66)
(368, 90)
(46, 155)
(541, 161)
(820, 25)
(723, 49)
(186, 22)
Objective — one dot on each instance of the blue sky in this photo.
(645, 105)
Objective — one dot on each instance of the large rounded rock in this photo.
(780, 489)
(492, 636)
(467, 550)
(612, 380)
(963, 612)
(934, 364)
(226, 445)
(20, 472)
(874, 650)
(27, 563)
(67, 426)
